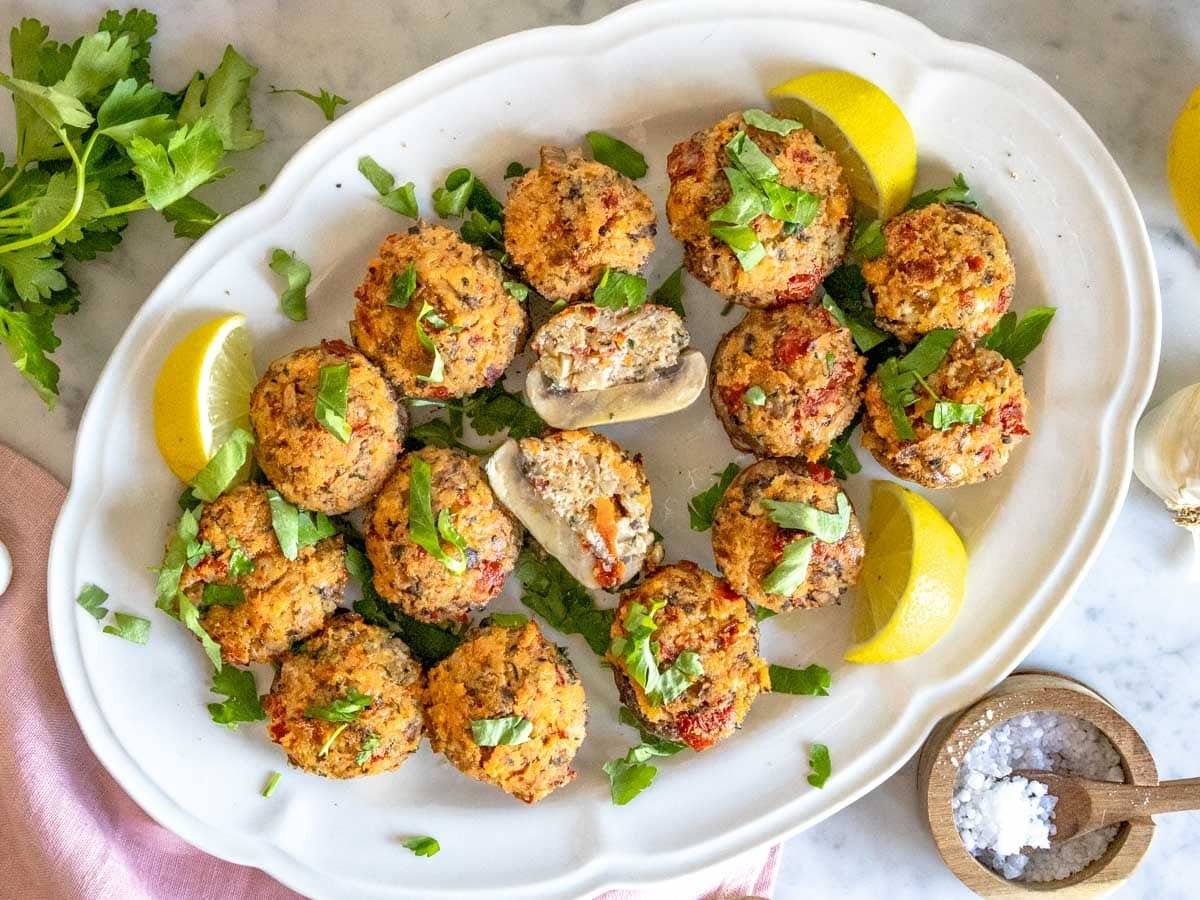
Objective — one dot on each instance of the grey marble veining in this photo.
(1133, 630)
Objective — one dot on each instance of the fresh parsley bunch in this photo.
(96, 140)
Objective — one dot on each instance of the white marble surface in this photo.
(1133, 630)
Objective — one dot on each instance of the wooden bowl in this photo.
(1029, 692)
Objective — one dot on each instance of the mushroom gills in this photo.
(622, 402)
(547, 527)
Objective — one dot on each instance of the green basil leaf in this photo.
(294, 300)
(241, 703)
(747, 201)
(824, 526)
(945, 414)
(404, 285)
(787, 577)
(134, 629)
(748, 157)
(820, 764)
(764, 121)
(421, 846)
(296, 528)
(637, 652)
(677, 679)
(343, 709)
(813, 681)
(333, 387)
(616, 154)
(92, 599)
(704, 504)
(423, 529)
(743, 241)
(619, 290)
(223, 469)
(222, 595)
(507, 731)
(790, 205)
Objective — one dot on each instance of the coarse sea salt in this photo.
(997, 814)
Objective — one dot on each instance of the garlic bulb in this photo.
(1166, 458)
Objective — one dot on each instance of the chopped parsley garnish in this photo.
(958, 192)
(552, 593)
(272, 783)
(748, 156)
(181, 549)
(812, 681)
(619, 290)
(220, 472)
(464, 191)
(845, 300)
(508, 620)
(404, 285)
(507, 731)
(333, 387)
(343, 711)
(425, 531)
(241, 703)
(421, 846)
(438, 433)
(134, 629)
(494, 409)
(297, 528)
(515, 170)
(670, 293)
(518, 291)
(92, 599)
(898, 376)
(437, 370)
(755, 395)
(762, 613)
(946, 414)
(840, 457)
(294, 299)
(222, 595)
(429, 643)
(239, 563)
(743, 241)
(704, 504)
(189, 615)
(824, 526)
(632, 774)
(370, 743)
(327, 102)
(1015, 340)
(638, 654)
(868, 241)
(402, 199)
(792, 570)
(820, 764)
(764, 121)
(616, 154)
(481, 231)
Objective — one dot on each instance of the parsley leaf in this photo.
(552, 593)
(134, 629)
(507, 731)
(517, 290)
(294, 300)
(402, 199)
(616, 154)
(704, 504)
(241, 703)
(342, 709)
(840, 456)
(223, 100)
(422, 528)
(764, 121)
(1014, 339)
(296, 528)
(92, 599)
(191, 158)
(327, 102)
(463, 191)
(631, 775)
(639, 655)
(438, 433)
(868, 241)
(370, 743)
(222, 595)
(898, 376)
(811, 682)
(670, 293)
(508, 620)
(755, 395)
(824, 526)
(190, 617)
(495, 409)
(743, 241)
(820, 764)
(945, 414)
(421, 846)
(437, 369)
(845, 300)
(220, 472)
(28, 336)
(748, 156)
(762, 613)
(191, 217)
(239, 563)
(619, 290)
(515, 170)
(958, 192)
(333, 385)
(792, 571)
(404, 285)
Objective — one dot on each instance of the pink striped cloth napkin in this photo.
(69, 831)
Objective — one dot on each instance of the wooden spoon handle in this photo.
(1119, 800)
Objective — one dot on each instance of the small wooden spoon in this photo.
(1085, 805)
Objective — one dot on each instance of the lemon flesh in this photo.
(203, 393)
(913, 578)
(863, 127)
(1183, 164)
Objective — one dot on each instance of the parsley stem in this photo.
(333, 737)
(16, 174)
(16, 207)
(930, 391)
(80, 163)
(131, 206)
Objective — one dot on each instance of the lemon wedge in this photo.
(1183, 164)
(203, 393)
(913, 578)
(863, 127)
